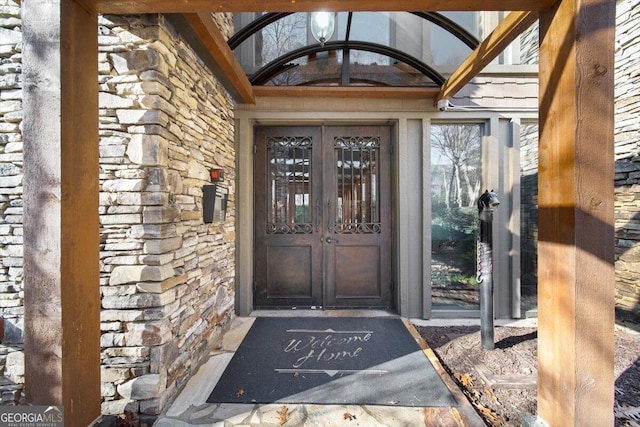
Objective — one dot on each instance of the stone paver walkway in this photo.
(190, 408)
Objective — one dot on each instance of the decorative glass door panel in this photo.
(289, 177)
(322, 221)
(357, 209)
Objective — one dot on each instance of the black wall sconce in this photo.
(216, 175)
(214, 203)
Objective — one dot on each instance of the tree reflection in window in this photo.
(456, 173)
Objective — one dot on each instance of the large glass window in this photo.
(455, 186)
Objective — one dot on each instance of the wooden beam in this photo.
(506, 32)
(345, 92)
(61, 223)
(231, 74)
(194, 6)
(576, 282)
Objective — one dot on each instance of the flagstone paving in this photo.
(191, 409)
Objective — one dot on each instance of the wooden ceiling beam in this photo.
(195, 6)
(231, 74)
(346, 92)
(507, 31)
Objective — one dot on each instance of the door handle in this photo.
(330, 240)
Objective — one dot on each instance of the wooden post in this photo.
(61, 230)
(576, 284)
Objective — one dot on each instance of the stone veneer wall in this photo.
(529, 209)
(529, 47)
(167, 279)
(627, 154)
(11, 289)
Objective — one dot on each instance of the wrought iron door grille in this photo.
(289, 185)
(357, 208)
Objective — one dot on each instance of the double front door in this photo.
(322, 217)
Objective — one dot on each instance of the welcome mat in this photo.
(364, 361)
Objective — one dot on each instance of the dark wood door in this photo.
(288, 217)
(322, 217)
(357, 238)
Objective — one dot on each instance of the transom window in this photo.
(415, 49)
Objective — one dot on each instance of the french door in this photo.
(322, 217)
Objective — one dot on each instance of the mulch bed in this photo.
(500, 384)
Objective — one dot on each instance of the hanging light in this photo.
(322, 25)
